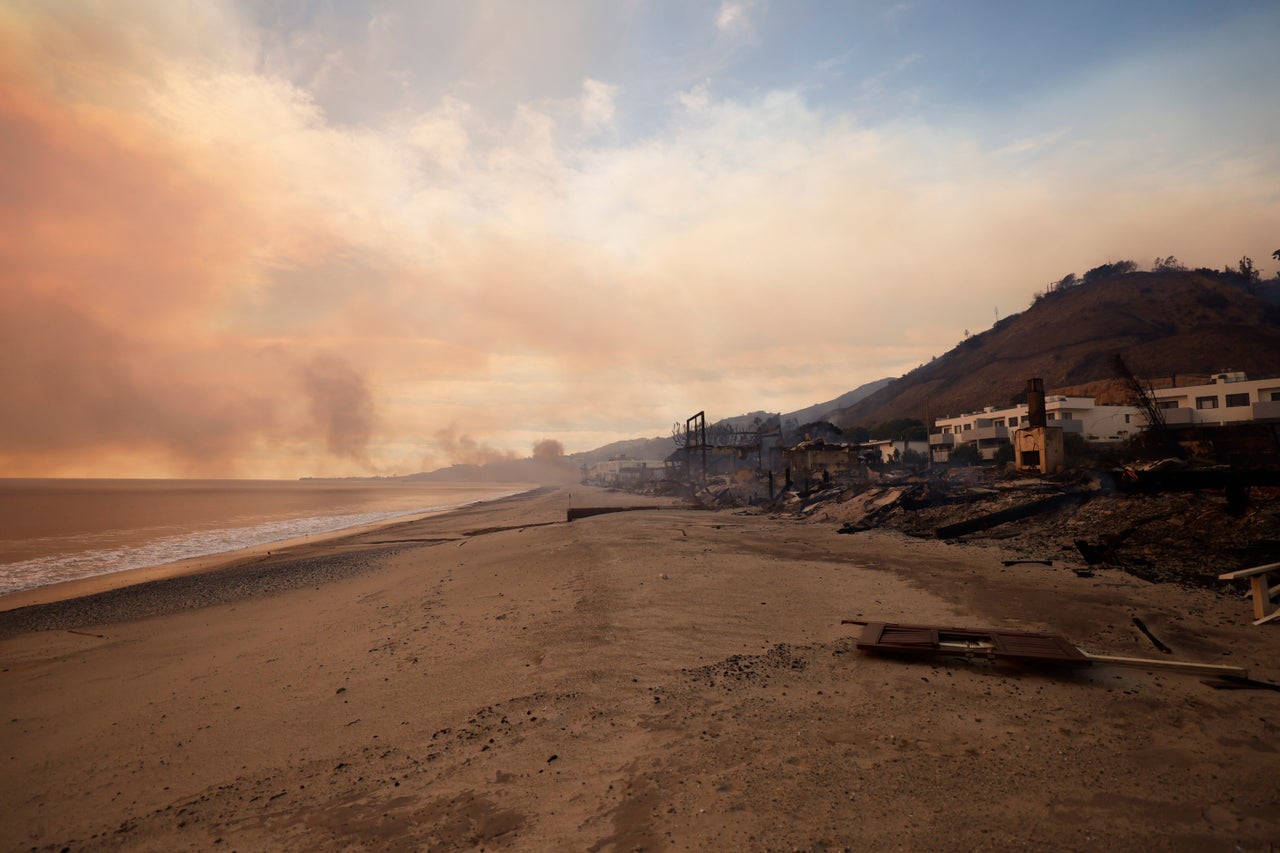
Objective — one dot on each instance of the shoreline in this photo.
(95, 584)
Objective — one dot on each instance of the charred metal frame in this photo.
(695, 436)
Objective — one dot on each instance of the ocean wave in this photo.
(42, 571)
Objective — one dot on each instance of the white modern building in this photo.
(989, 429)
(1230, 397)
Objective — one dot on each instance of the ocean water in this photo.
(59, 530)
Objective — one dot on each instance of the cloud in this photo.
(1027, 145)
(876, 86)
(597, 104)
(736, 25)
(895, 11)
(695, 99)
(206, 272)
(731, 16)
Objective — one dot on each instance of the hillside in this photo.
(822, 410)
(658, 447)
(1163, 324)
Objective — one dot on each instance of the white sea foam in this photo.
(91, 562)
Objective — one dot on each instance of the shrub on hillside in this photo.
(1111, 270)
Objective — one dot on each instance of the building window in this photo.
(1168, 404)
(1206, 402)
(1126, 418)
(1013, 421)
(1236, 400)
(1052, 416)
(968, 427)
(1275, 396)
(1066, 416)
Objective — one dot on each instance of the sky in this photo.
(281, 239)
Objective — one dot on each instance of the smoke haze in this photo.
(231, 249)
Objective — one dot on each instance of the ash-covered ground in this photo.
(1083, 519)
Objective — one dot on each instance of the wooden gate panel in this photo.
(1007, 645)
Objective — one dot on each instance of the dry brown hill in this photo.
(1164, 324)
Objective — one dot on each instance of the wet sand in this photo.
(497, 678)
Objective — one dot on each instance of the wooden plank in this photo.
(1265, 619)
(908, 635)
(1261, 603)
(1181, 666)
(1037, 649)
(880, 636)
(1260, 590)
(1232, 682)
(1248, 573)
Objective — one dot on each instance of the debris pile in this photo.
(1165, 521)
(1189, 531)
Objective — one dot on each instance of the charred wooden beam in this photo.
(1015, 513)
(1142, 626)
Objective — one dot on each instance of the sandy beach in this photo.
(499, 678)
